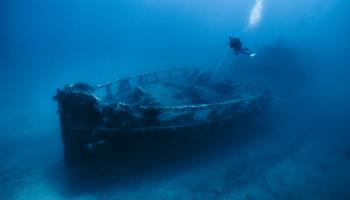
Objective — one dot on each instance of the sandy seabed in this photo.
(306, 166)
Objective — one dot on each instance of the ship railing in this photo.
(127, 83)
(172, 116)
(212, 111)
(203, 113)
(242, 102)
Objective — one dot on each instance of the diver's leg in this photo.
(245, 52)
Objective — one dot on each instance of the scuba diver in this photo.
(236, 45)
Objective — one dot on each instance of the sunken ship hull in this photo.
(152, 117)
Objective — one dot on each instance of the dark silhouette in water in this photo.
(236, 45)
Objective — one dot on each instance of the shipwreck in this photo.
(155, 115)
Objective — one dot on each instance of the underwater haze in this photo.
(301, 51)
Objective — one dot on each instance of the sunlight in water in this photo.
(255, 13)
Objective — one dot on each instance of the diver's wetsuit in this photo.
(236, 45)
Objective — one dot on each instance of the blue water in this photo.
(303, 154)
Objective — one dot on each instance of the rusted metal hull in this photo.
(86, 147)
(117, 136)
